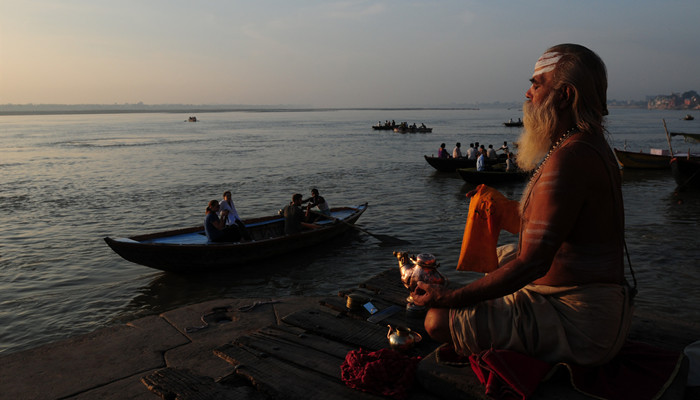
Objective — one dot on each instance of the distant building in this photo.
(676, 101)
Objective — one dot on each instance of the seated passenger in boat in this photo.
(294, 217)
(510, 163)
(562, 297)
(457, 151)
(471, 152)
(215, 226)
(491, 153)
(442, 152)
(317, 201)
(481, 164)
(226, 207)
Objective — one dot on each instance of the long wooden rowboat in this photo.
(686, 173)
(449, 164)
(188, 250)
(471, 175)
(630, 159)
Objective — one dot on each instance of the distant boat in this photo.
(688, 117)
(412, 129)
(383, 127)
(512, 123)
(686, 172)
(192, 119)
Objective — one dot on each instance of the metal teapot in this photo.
(402, 338)
(422, 267)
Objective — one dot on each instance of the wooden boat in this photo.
(688, 137)
(640, 160)
(449, 164)
(498, 175)
(192, 119)
(188, 250)
(686, 172)
(413, 129)
(383, 127)
(688, 117)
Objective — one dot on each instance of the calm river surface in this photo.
(70, 180)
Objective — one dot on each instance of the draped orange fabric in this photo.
(489, 212)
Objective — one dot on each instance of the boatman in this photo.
(562, 297)
(294, 216)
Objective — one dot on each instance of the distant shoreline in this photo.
(70, 110)
(88, 109)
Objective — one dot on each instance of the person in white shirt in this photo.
(228, 211)
(471, 152)
(457, 152)
(491, 153)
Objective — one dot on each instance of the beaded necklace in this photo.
(552, 149)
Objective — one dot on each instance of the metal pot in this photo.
(402, 338)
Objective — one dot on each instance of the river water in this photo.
(70, 180)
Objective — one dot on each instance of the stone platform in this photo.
(263, 349)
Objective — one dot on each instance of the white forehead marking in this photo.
(546, 63)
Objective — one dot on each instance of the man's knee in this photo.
(437, 324)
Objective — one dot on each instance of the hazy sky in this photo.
(332, 53)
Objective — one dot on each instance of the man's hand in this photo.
(426, 294)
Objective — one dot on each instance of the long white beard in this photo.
(538, 125)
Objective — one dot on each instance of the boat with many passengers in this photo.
(449, 164)
(189, 250)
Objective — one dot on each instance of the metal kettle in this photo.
(422, 267)
(402, 338)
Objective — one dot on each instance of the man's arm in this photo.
(555, 208)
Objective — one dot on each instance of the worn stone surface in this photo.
(89, 361)
(129, 388)
(111, 362)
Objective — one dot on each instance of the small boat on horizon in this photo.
(512, 123)
(189, 250)
(688, 117)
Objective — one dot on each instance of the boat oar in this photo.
(385, 239)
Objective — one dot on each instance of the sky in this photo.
(352, 53)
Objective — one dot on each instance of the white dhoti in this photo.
(585, 325)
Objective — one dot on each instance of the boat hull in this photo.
(413, 130)
(471, 175)
(449, 164)
(630, 159)
(187, 250)
(686, 173)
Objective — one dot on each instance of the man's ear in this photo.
(566, 96)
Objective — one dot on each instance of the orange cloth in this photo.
(489, 212)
